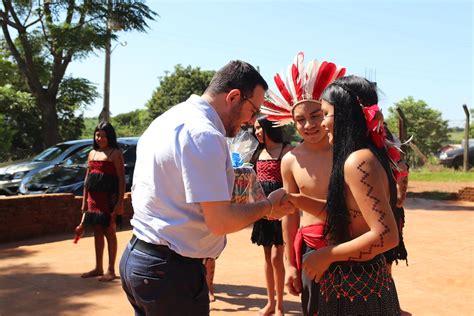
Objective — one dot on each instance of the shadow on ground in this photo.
(23, 286)
(239, 296)
(434, 195)
(50, 239)
(430, 205)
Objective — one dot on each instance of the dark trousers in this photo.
(163, 283)
(309, 290)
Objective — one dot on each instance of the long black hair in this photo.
(109, 131)
(270, 131)
(348, 95)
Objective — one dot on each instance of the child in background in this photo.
(104, 188)
(268, 233)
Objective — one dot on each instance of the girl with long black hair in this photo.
(361, 226)
(268, 233)
(102, 202)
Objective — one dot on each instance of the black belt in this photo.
(161, 251)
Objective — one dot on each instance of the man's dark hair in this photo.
(236, 74)
(348, 95)
(109, 131)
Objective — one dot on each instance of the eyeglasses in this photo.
(256, 109)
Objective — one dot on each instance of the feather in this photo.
(299, 64)
(277, 100)
(325, 74)
(283, 90)
(280, 121)
(340, 72)
(311, 74)
(297, 83)
(278, 117)
(290, 83)
(275, 107)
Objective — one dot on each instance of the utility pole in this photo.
(466, 139)
(105, 114)
(402, 127)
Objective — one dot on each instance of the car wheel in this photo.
(457, 163)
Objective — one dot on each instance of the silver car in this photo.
(11, 175)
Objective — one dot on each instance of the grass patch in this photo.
(433, 195)
(442, 175)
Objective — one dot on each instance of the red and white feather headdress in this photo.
(301, 85)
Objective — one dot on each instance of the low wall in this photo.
(30, 216)
(466, 194)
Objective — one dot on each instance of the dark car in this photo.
(12, 174)
(68, 176)
(454, 157)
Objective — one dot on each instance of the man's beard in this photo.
(232, 127)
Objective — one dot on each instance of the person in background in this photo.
(102, 202)
(210, 264)
(268, 233)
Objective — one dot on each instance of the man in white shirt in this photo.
(181, 195)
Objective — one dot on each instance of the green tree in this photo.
(426, 125)
(22, 114)
(132, 123)
(177, 87)
(44, 37)
(19, 115)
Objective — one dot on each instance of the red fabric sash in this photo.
(312, 236)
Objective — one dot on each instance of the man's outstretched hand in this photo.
(280, 205)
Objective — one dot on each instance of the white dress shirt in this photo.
(182, 159)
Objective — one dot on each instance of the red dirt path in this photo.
(42, 276)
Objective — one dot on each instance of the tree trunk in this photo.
(49, 122)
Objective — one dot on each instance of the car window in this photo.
(51, 153)
(77, 150)
(130, 154)
(79, 158)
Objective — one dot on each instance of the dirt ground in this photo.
(428, 186)
(41, 276)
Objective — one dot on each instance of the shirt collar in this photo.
(211, 113)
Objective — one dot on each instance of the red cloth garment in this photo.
(313, 236)
(269, 170)
(102, 173)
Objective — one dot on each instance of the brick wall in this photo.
(466, 194)
(30, 216)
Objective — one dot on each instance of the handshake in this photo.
(280, 205)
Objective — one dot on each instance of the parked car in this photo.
(68, 176)
(454, 158)
(11, 175)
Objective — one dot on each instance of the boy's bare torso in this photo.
(311, 170)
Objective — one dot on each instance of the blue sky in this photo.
(411, 48)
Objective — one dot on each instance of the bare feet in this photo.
(269, 309)
(109, 276)
(212, 298)
(279, 312)
(92, 273)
